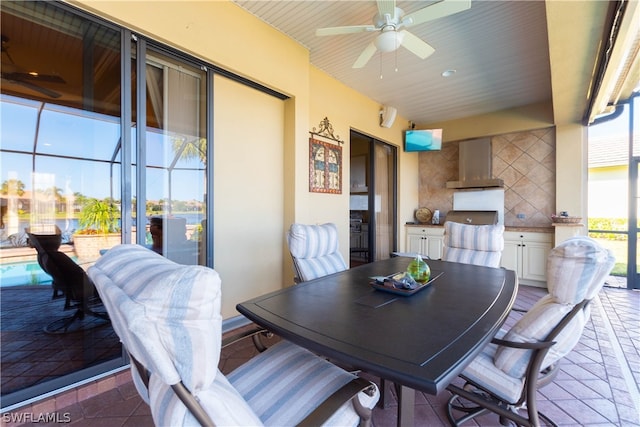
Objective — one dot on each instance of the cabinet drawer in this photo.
(528, 236)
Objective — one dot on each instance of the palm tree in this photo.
(14, 185)
(190, 149)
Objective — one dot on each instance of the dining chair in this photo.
(505, 377)
(473, 244)
(315, 251)
(167, 316)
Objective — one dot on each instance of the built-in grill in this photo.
(473, 217)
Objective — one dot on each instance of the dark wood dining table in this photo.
(420, 341)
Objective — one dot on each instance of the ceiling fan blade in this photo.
(435, 11)
(333, 31)
(42, 90)
(416, 45)
(49, 78)
(365, 56)
(386, 7)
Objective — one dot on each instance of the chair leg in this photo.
(485, 403)
(471, 412)
(75, 323)
(61, 326)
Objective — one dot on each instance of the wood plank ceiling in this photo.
(499, 50)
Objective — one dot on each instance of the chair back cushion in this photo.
(534, 326)
(168, 317)
(473, 244)
(166, 314)
(576, 270)
(315, 250)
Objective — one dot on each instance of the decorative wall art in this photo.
(325, 160)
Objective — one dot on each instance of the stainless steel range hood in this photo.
(474, 166)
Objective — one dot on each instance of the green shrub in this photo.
(614, 224)
(98, 217)
(619, 269)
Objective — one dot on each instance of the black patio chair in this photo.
(71, 282)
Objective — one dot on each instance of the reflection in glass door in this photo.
(60, 173)
(175, 159)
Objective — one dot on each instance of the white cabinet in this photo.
(526, 253)
(425, 241)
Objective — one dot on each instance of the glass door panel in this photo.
(384, 206)
(175, 163)
(59, 164)
(633, 272)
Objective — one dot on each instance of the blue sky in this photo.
(76, 134)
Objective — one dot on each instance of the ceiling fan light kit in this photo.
(390, 22)
(388, 41)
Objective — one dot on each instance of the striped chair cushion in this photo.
(468, 256)
(534, 326)
(220, 400)
(168, 317)
(473, 244)
(485, 373)
(315, 250)
(577, 268)
(285, 383)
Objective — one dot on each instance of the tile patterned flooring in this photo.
(598, 384)
(29, 355)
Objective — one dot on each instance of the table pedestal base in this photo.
(406, 405)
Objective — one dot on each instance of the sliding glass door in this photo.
(614, 187)
(174, 153)
(372, 199)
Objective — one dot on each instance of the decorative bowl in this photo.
(423, 215)
(566, 219)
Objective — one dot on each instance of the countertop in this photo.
(549, 229)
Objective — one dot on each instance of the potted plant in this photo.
(99, 229)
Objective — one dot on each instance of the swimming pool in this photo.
(23, 273)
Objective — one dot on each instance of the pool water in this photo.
(23, 273)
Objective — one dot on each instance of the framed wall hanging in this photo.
(325, 160)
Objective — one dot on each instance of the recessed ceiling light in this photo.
(448, 73)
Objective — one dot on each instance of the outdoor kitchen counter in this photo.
(549, 229)
(530, 229)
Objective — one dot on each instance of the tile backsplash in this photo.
(524, 160)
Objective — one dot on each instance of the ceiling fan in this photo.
(390, 22)
(29, 79)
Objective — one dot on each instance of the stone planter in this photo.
(88, 246)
